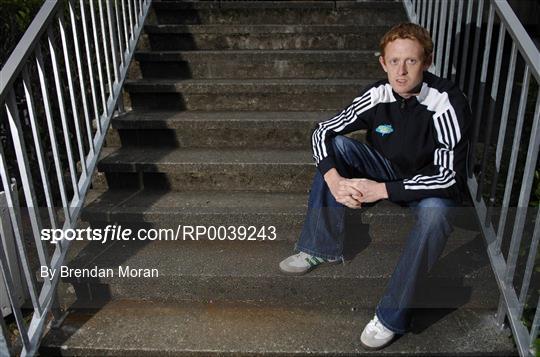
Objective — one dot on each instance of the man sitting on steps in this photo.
(417, 128)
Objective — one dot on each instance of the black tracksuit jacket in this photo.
(425, 137)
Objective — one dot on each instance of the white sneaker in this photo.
(375, 336)
(302, 263)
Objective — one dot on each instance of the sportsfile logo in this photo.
(182, 232)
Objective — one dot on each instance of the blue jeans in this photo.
(323, 231)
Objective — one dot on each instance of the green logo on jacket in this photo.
(384, 129)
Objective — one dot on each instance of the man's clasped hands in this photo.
(356, 191)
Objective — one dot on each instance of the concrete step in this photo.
(264, 37)
(267, 170)
(248, 64)
(262, 130)
(153, 328)
(365, 13)
(244, 95)
(233, 270)
(383, 222)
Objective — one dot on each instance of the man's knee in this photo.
(434, 202)
(344, 145)
(340, 144)
(434, 213)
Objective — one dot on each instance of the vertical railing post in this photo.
(491, 111)
(480, 101)
(448, 39)
(465, 56)
(474, 63)
(457, 43)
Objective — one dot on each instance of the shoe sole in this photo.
(369, 348)
(322, 265)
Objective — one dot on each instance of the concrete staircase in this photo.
(223, 106)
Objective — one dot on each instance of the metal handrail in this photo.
(109, 34)
(464, 70)
(26, 46)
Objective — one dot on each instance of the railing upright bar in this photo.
(513, 157)
(457, 43)
(39, 148)
(99, 65)
(118, 32)
(435, 29)
(424, 12)
(481, 95)
(491, 114)
(71, 89)
(104, 43)
(52, 134)
(429, 12)
(80, 71)
(91, 76)
(25, 174)
(63, 115)
(136, 12)
(114, 44)
(130, 16)
(463, 67)
(124, 23)
(449, 39)
(16, 225)
(472, 77)
(530, 265)
(442, 29)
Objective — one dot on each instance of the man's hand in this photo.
(342, 191)
(371, 191)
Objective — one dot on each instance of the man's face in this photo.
(404, 64)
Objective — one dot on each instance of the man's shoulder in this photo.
(441, 84)
(379, 89)
(445, 86)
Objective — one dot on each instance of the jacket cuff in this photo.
(326, 164)
(395, 190)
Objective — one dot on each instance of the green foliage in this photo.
(15, 17)
(535, 199)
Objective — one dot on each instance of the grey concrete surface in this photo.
(255, 130)
(152, 328)
(245, 270)
(246, 64)
(244, 95)
(263, 37)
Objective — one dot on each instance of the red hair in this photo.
(408, 31)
